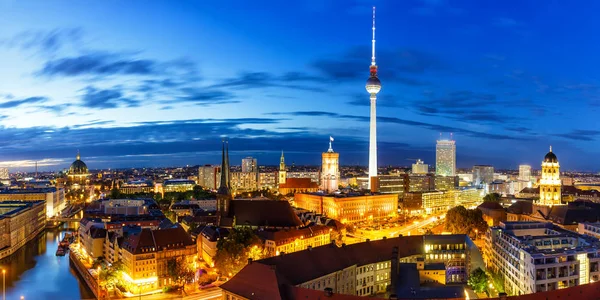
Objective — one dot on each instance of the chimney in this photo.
(249, 261)
(368, 240)
(343, 245)
(309, 248)
(394, 270)
(385, 237)
(502, 296)
(328, 292)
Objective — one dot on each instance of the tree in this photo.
(460, 220)
(115, 194)
(492, 197)
(478, 280)
(234, 251)
(179, 272)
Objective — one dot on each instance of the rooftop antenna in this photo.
(36, 170)
(451, 134)
(373, 41)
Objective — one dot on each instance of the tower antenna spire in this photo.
(373, 47)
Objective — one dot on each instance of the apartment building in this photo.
(539, 256)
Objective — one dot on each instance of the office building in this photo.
(137, 187)
(421, 183)
(53, 197)
(314, 176)
(446, 183)
(419, 167)
(268, 181)
(178, 185)
(330, 170)
(539, 256)
(392, 184)
(482, 175)
(249, 165)
(550, 184)
(445, 158)
(20, 222)
(349, 208)
(243, 182)
(525, 172)
(208, 177)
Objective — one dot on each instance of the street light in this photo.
(3, 284)
(98, 282)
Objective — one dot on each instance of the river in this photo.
(36, 273)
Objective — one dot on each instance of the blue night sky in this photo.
(158, 83)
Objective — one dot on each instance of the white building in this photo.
(249, 164)
(445, 158)
(525, 172)
(420, 168)
(539, 256)
(207, 177)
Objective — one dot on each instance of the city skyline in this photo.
(160, 85)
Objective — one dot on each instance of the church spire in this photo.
(224, 186)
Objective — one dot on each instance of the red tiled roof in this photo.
(156, 240)
(299, 183)
(256, 281)
(281, 235)
(268, 213)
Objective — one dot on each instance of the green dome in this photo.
(78, 167)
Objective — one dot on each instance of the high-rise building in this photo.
(249, 164)
(483, 174)
(550, 185)
(207, 176)
(282, 171)
(525, 172)
(419, 167)
(4, 173)
(330, 169)
(445, 158)
(373, 86)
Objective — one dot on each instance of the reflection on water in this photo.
(35, 272)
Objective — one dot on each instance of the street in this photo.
(414, 228)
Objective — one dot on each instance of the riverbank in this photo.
(35, 272)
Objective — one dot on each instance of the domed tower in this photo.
(550, 185)
(373, 87)
(78, 171)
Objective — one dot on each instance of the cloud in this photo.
(98, 64)
(581, 135)
(45, 41)
(202, 96)
(394, 120)
(290, 80)
(106, 98)
(394, 65)
(24, 101)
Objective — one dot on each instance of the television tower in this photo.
(373, 86)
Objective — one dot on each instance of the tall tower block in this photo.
(550, 185)
(330, 169)
(373, 87)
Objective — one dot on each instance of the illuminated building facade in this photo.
(267, 180)
(373, 87)
(288, 241)
(550, 184)
(419, 167)
(145, 257)
(421, 183)
(482, 174)
(538, 256)
(249, 165)
(392, 184)
(445, 158)
(330, 170)
(525, 172)
(178, 185)
(349, 208)
(243, 182)
(282, 172)
(208, 177)
(20, 222)
(137, 187)
(298, 185)
(431, 202)
(363, 269)
(314, 176)
(446, 183)
(78, 171)
(53, 197)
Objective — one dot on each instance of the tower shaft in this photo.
(373, 139)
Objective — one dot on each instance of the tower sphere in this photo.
(373, 85)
